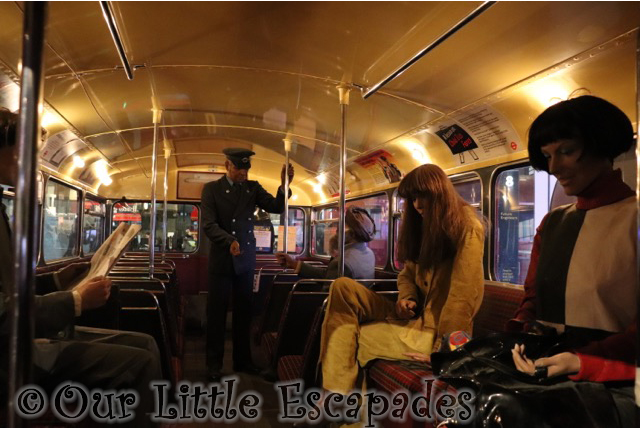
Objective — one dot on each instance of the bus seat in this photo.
(167, 304)
(305, 366)
(499, 304)
(276, 287)
(140, 311)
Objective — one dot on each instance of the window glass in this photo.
(8, 203)
(61, 208)
(325, 226)
(182, 225)
(92, 226)
(558, 197)
(469, 190)
(514, 223)
(378, 208)
(296, 223)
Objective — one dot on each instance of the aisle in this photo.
(195, 370)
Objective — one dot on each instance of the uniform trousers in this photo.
(360, 326)
(105, 359)
(239, 288)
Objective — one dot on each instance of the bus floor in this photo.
(195, 370)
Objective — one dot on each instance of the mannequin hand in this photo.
(286, 261)
(560, 364)
(405, 309)
(291, 173)
(234, 249)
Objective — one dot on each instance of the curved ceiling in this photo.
(250, 73)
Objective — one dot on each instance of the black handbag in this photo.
(506, 397)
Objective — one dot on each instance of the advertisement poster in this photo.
(59, 147)
(291, 238)
(382, 167)
(263, 238)
(477, 134)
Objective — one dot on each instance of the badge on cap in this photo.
(241, 158)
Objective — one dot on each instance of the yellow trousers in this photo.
(360, 326)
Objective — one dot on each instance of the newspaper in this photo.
(110, 251)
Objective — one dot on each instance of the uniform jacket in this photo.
(449, 295)
(227, 216)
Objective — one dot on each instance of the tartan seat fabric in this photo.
(269, 341)
(290, 367)
(391, 376)
(499, 304)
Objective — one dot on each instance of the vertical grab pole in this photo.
(285, 233)
(154, 175)
(25, 218)
(343, 91)
(167, 154)
(637, 383)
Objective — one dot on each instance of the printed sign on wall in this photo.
(477, 134)
(382, 167)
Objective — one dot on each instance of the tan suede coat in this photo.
(449, 295)
(361, 325)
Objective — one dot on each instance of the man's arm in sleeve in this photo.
(46, 283)
(54, 312)
(305, 270)
(210, 219)
(267, 202)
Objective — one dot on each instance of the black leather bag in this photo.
(506, 397)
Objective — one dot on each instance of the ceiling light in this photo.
(78, 162)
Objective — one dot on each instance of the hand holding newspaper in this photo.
(110, 251)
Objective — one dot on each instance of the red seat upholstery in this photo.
(498, 306)
(290, 367)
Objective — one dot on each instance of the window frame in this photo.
(142, 201)
(492, 212)
(103, 202)
(79, 219)
(314, 221)
(337, 205)
(304, 234)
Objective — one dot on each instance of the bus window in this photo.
(558, 197)
(296, 223)
(469, 189)
(325, 225)
(61, 208)
(378, 208)
(92, 226)
(7, 201)
(182, 225)
(471, 192)
(515, 220)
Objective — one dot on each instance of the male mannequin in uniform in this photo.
(228, 205)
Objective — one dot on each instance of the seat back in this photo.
(499, 305)
(140, 311)
(297, 318)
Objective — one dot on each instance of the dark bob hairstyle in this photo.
(604, 130)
